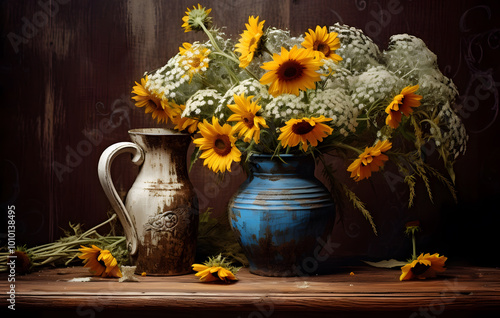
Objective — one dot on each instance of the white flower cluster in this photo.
(453, 135)
(336, 104)
(437, 89)
(341, 77)
(374, 86)
(285, 107)
(171, 81)
(276, 38)
(407, 56)
(358, 50)
(202, 104)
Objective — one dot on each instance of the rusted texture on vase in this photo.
(160, 213)
(280, 214)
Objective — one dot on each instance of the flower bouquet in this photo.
(328, 91)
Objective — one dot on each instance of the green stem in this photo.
(122, 239)
(414, 246)
(99, 225)
(80, 240)
(348, 147)
(229, 57)
(210, 36)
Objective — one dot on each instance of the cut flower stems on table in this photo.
(327, 92)
(65, 251)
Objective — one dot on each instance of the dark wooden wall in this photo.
(67, 69)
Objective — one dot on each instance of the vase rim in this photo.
(284, 155)
(156, 132)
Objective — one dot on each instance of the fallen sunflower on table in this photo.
(425, 266)
(100, 262)
(216, 269)
(421, 267)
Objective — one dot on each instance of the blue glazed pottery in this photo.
(281, 215)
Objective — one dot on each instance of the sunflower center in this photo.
(195, 62)
(22, 262)
(290, 70)
(248, 120)
(155, 102)
(253, 40)
(302, 128)
(222, 145)
(322, 47)
(419, 269)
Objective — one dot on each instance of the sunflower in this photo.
(183, 123)
(100, 262)
(250, 41)
(151, 102)
(245, 113)
(170, 108)
(304, 130)
(369, 161)
(210, 274)
(194, 59)
(219, 150)
(196, 19)
(402, 103)
(323, 43)
(425, 266)
(216, 268)
(291, 71)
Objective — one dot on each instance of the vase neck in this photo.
(289, 164)
(165, 154)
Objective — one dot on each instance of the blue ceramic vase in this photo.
(281, 215)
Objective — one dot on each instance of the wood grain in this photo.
(460, 290)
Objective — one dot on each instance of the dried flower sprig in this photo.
(65, 250)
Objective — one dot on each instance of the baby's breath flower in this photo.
(202, 103)
(357, 49)
(336, 104)
(453, 135)
(408, 57)
(282, 107)
(375, 85)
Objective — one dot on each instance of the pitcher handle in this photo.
(104, 171)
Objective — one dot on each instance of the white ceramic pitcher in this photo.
(160, 214)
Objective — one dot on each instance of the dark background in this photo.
(69, 67)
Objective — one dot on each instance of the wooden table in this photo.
(459, 292)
